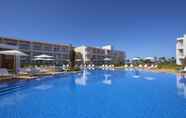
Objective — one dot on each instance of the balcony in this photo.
(181, 56)
(5, 46)
(179, 46)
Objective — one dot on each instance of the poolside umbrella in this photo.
(107, 59)
(14, 53)
(149, 58)
(43, 59)
(43, 56)
(135, 59)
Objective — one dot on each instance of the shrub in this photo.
(74, 69)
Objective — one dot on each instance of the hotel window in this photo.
(65, 55)
(11, 42)
(37, 46)
(94, 50)
(36, 53)
(24, 46)
(62, 49)
(87, 49)
(56, 49)
(94, 56)
(1, 40)
(46, 48)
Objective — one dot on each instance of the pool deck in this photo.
(39, 75)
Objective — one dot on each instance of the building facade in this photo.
(60, 52)
(180, 50)
(99, 56)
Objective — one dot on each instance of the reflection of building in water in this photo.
(136, 73)
(106, 80)
(83, 79)
(181, 85)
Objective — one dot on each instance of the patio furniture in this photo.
(4, 74)
(14, 53)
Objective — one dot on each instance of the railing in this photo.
(179, 46)
(181, 56)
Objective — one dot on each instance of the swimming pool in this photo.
(96, 94)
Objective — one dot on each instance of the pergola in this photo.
(15, 54)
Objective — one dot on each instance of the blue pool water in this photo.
(96, 94)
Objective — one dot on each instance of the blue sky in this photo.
(139, 27)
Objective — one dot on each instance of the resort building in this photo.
(60, 52)
(99, 56)
(180, 49)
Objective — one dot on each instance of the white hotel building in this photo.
(180, 49)
(99, 56)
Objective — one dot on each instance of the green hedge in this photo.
(73, 69)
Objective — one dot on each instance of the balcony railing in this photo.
(179, 46)
(181, 56)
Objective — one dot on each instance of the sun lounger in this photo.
(131, 66)
(126, 66)
(145, 66)
(150, 67)
(23, 71)
(140, 66)
(4, 74)
(156, 66)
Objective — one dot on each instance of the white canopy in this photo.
(107, 59)
(149, 58)
(135, 59)
(43, 56)
(43, 59)
(13, 53)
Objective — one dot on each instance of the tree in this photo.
(173, 60)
